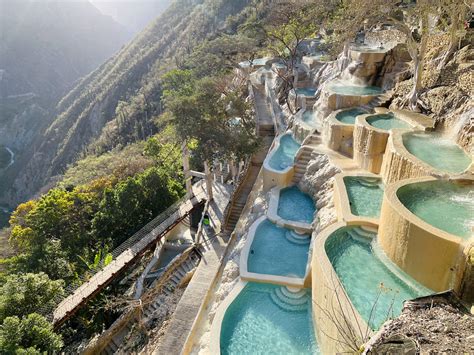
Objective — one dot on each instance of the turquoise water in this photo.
(366, 279)
(305, 91)
(355, 90)
(365, 195)
(263, 319)
(386, 121)
(445, 205)
(295, 205)
(308, 117)
(349, 116)
(284, 156)
(278, 251)
(256, 61)
(439, 152)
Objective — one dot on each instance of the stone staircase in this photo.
(304, 155)
(149, 309)
(240, 198)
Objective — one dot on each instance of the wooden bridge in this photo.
(129, 251)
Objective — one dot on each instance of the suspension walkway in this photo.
(127, 253)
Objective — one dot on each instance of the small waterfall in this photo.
(461, 127)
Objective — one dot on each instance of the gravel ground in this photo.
(437, 324)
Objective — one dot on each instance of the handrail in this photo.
(237, 190)
(132, 244)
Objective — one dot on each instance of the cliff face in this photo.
(117, 103)
(448, 93)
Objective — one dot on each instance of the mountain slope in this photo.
(45, 47)
(117, 103)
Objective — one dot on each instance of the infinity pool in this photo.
(372, 286)
(439, 152)
(386, 121)
(284, 156)
(295, 205)
(365, 195)
(355, 90)
(268, 319)
(349, 116)
(305, 91)
(278, 251)
(446, 205)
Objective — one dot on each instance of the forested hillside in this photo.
(45, 47)
(118, 103)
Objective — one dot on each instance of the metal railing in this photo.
(133, 243)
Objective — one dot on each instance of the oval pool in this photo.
(437, 151)
(446, 205)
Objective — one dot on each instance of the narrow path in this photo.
(196, 293)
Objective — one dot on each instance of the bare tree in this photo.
(453, 16)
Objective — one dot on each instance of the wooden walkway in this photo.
(96, 283)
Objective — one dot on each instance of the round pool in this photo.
(438, 151)
(386, 121)
(349, 116)
(446, 205)
(295, 205)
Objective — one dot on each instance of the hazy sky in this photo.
(135, 14)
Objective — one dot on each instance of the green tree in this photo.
(21, 294)
(32, 334)
(215, 116)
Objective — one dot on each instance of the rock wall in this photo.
(318, 182)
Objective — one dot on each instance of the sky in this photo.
(134, 14)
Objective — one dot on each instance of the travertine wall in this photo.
(337, 101)
(399, 164)
(431, 256)
(338, 136)
(369, 145)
